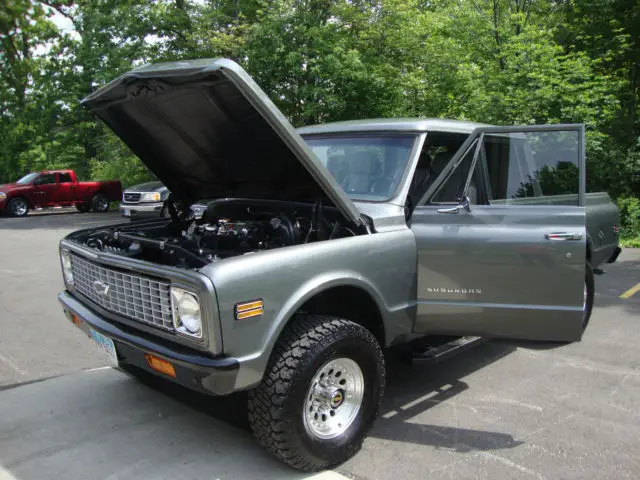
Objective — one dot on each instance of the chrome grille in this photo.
(132, 296)
(132, 197)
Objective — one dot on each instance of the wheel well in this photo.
(588, 252)
(350, 303)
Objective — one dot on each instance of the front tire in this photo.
(321, 392)
(18, 207)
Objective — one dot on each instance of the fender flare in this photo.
(254, 365)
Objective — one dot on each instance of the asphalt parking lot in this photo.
(498, 411)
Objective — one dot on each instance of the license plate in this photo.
(106, 347)
(126, 212)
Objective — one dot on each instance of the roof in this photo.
(394, 124)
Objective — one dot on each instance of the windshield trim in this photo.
(416, 136)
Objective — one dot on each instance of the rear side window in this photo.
(65, 178)
(532, 167)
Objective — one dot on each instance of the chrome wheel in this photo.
(19, 207)
(100, 203)
(334, 398)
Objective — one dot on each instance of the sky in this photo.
(62, 22)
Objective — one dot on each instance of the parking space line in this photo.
(629, 293)
(11, 363)
(328, 475)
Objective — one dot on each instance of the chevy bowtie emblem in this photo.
(101, 288)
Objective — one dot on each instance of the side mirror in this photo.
(464, 203)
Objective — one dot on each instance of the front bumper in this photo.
(141, 209)
(194, 370)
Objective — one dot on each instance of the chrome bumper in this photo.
(129, 209)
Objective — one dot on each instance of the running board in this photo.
(449, 349)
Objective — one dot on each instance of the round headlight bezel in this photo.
(187, 312)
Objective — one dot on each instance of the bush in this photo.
(629, 221)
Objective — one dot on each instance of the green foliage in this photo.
(492, 61)
(115, 160)
(630, 220)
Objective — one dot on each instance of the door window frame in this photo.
(478, 134)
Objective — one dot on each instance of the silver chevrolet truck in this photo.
(323, 247)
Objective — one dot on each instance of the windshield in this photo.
(367, 167)
(27, 178)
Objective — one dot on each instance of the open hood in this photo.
(207, 131)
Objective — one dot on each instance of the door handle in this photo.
(449, 210)
(464, 203)
(563, 236)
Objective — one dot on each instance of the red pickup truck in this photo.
(54, 188)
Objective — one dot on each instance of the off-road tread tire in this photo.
(270, 404)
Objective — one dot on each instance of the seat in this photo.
(426, 174)
(362, 167)
(336, 164)
(452, 189)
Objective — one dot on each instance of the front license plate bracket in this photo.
(106, 347)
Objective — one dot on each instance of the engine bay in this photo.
(227, 228)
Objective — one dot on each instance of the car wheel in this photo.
(164, 213)
(100, 203)
(18, 207)
(321, 393)
(588, 296)
(83, 207)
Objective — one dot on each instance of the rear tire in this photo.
(296, 415)
(589, 294)
(100, 203)
(18, 207)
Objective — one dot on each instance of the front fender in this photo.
(382, 265)
(253, 365)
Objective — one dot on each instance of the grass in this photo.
(630, 242)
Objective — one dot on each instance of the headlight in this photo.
(151, 197)
(66, 266)
(187, 318)
(3, 195)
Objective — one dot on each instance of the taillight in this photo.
(616, 229)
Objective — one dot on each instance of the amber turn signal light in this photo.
(75, 319)
(254, 308)
(160, 365)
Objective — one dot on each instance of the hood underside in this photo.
(207, 131)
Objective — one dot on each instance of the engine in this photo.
(227, 228)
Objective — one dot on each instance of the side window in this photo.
(46, 179)
(65, 178)
(533, 168)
